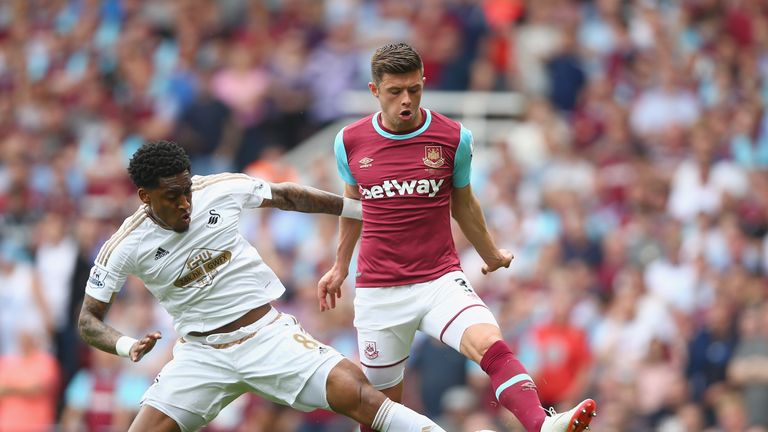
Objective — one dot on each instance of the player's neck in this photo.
(148, 210)
(402, 127)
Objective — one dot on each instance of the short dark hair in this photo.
(156, 160)
(397, 58)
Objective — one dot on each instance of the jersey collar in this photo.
(385, 134)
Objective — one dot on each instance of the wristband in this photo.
(123, 346)
(352, 209)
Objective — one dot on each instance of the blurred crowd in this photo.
(633, 192)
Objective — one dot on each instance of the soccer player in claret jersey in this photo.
(411, 167)
(183, 242)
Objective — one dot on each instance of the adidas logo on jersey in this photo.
(160, 253)
(391, 188)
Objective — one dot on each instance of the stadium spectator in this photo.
(750, 363)
(560, 358)
(29, 381)
(102, 397)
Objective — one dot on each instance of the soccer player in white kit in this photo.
(218, 290)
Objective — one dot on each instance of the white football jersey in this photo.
(205, 277)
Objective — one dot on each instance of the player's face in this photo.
(400, 97)
(170, 203)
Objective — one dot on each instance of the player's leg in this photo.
(461, 320)
(150, 419)
(348, 392)
(386, 320)
(189, 392)
(514, 388)
(310, 375)
(383, 355)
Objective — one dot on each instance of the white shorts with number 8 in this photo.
(281, 362)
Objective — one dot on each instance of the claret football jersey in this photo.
(405, 182)
(205, 277)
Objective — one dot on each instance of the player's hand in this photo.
(329, 288)
(144, 345)
(503, 259)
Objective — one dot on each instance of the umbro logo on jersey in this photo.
(213, 218)
(160, 253)
(366, 162)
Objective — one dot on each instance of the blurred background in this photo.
(621, 154)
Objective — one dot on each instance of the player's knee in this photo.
(350, 393)
(478, 338)
(370, 398)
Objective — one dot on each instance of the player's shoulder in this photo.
(126, 237)
(203, 181)
(223, 182)
(363, 123)
(360, 128)
(441, 120)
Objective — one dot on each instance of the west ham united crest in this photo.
(370, 350)
(433, 156)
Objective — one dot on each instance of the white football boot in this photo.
(575, 420)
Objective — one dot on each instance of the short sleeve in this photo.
(111, 267)
(255, 191)
(462, 163)
(247, 191)
(342, 163)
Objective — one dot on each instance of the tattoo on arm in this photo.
(92, 328)
(294, 197)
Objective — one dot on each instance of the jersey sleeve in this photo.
(110, 269)
(462, 163)
(342, 163)
(252, 191)
(247, 191)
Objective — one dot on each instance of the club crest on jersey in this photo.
(213, 218)
(370, 350)
(202, 267)
(366, 162)
(433, 156)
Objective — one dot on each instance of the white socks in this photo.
(393, 417)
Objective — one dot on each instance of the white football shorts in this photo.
(387, 319)
(281, 362)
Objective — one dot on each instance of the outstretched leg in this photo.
(462, 321)
(514, 388)
(350, 393)
(150, 419)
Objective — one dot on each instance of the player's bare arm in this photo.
(98, 334)
(465, 208)
(92, 328)
(329, 286)
(349, 231)
(305, 199)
